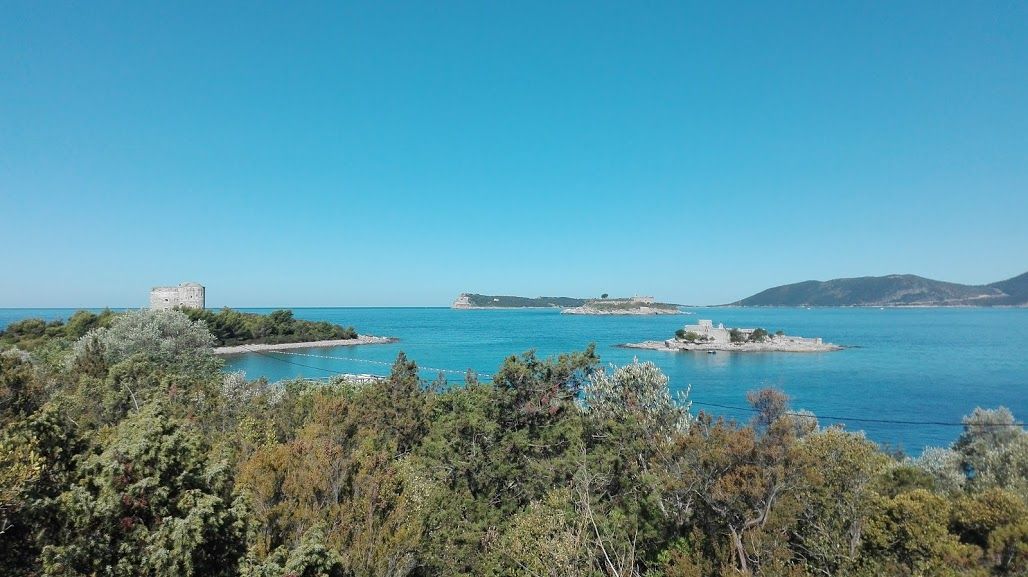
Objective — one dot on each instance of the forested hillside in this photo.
(892, 290)
(127, 452)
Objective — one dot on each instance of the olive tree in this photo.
(164, 337)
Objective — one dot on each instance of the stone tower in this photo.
(187, 294)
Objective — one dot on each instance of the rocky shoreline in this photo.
(360, 340)
(770, 346)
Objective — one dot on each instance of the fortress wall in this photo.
(185, 295)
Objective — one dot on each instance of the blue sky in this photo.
(400, 153)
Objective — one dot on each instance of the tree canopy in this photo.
(128, 451)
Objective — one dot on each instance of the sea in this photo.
(905, 378)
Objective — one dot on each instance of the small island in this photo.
(706, 337)
(636, 305)
(623, 306)
(473, 301)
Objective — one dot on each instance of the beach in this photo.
(254, 348)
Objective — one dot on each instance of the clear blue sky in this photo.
(400, 153)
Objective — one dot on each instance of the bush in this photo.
(231, 327)
(758, 336)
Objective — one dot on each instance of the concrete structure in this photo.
(709, 333)
(462, 302)
(187, 294)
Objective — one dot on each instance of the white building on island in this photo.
(705, 331)
(187, 294)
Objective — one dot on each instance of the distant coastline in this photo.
(254, 348)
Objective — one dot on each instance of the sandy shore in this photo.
(766, 347)
(360, 340)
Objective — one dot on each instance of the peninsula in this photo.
(896, 290)
(704, 336)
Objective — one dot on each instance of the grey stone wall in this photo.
(189, 295)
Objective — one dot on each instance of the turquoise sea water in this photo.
(903, 364)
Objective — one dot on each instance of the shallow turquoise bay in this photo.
(903, 364)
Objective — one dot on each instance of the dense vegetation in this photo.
(757, 335)
(231, 327)
(627, 305)
(506, 301)
(31, 333)
(892, 290)
(129, 452)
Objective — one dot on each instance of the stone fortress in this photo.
(705, 337)
(187, 294)
(723, 336)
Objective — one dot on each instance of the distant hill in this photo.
(892, 290)
(1015, 288)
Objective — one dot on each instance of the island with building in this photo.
(636, 305)
(474, 301)
(704, 336)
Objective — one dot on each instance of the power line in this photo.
(861, 419)
(701, 403)
(288, 362)
(374, 362)
(332, 372)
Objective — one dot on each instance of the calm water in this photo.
(905, 364)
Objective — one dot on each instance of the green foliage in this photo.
(231, 327)
(759, 335)
(994, 451)
(505, 301)
(20, 392)
(149, 503)
(689, 336)
(736, 336)
(167, 339)
(131, 453)
(908, 535)
(29, 334)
